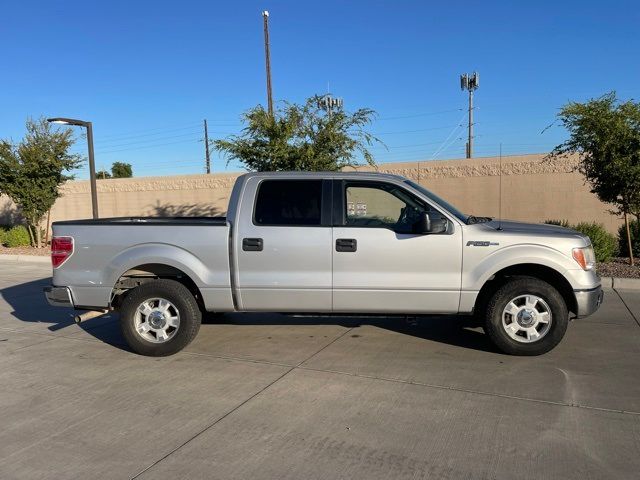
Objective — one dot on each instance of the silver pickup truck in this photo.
(330, 243)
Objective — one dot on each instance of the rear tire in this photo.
(159, 318)
(526, 316)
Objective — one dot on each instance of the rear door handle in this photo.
(252, 244)
(346, 245)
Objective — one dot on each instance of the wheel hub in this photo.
(157, 320)
(526, 317)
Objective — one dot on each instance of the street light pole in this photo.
(92, 162)
(92, 171)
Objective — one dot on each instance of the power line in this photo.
(423, 114)
(453, 132)
(135, 132)
(196, 140)
(167, 129)
(151, 140)
(412, 131)
(153, 164)
(415, 145)
(156, 134)
(422, 153)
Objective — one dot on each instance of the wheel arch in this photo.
(147, 272)
(534, 270)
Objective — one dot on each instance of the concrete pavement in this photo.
(267, 396)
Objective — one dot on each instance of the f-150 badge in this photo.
(473, 243)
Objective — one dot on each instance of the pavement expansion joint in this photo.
(627, 307)
(474, 392)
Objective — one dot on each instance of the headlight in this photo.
(585, 257)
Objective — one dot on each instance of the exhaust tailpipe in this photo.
(81, 317)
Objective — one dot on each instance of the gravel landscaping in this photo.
(620, 268)
(25, 251)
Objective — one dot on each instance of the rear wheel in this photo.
(526, 316)
(159, 318)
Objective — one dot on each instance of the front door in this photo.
(283, 246)
(380, 264)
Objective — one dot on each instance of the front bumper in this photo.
(58, 296)
(588, 301)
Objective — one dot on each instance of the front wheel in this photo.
(526, 316)
(159, 318)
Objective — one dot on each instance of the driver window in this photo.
(382, 206)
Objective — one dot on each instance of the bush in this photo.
(605, 245)
(17, 236)
(3, 236)
(559, 223)
(634, 229)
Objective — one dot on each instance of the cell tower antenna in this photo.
(470, 82)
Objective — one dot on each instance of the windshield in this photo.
(443, 203)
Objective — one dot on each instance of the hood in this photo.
(533, 228)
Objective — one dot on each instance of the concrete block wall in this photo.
(533, 190)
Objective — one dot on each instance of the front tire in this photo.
(159, 318)
(526, 316)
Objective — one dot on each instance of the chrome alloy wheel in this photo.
(526, 318)
(157, 320)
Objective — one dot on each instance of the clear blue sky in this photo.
(147, 73)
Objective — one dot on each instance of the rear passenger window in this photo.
(288, 202)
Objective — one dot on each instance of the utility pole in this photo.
(470, 82)
(265, 17)
(206, 148)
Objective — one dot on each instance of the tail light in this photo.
(61, 249)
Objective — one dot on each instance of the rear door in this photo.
(380, 264)
(283, 245)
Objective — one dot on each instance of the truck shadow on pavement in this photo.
(452, 330)
(28, 305)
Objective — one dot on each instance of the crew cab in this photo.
(330, 243)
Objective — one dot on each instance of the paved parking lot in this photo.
(266, 396)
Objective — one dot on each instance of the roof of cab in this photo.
(377, 175)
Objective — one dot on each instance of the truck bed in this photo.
(104, 249)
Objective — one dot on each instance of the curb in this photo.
(626, 283)
(607, 282)
(26, 258)
(620, 283)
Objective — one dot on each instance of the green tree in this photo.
(102, 174)
(121, 170)
(300, 137)
(605, 133)
(32, 171)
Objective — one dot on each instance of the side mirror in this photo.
(432, 225)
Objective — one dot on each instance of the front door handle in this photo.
(252, 244)
(346, 245)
